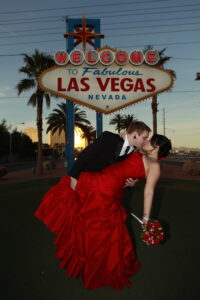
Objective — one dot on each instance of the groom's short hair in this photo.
(138, 126)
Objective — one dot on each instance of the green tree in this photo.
(4, 138)
(57, 119)
(117, 120)
(33, 66)
(22, 144)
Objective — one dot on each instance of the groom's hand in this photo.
(130, 182)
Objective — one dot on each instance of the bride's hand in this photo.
(73, 183)
(145, 220)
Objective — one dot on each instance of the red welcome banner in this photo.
(106, 57)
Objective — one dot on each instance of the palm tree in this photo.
(89, 133)
(154, 103)
(118, 121)
(33, 66)
(127, 120)
(57, 119)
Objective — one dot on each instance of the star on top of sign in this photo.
(84, 34)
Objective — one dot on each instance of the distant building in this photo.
(32, 133)
(56, 139)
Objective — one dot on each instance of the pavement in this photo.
(168, 171)
(27, 174)
(174, 171)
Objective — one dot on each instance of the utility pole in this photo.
(197, 76)
(154, 106)
(163, 121)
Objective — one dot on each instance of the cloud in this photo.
(6, 91)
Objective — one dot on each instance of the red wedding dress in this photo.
(92, 238)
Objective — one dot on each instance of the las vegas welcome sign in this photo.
(106, 80)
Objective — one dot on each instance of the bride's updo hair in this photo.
(164, 144)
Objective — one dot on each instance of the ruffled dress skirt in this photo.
(92, 240)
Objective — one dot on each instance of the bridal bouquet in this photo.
(152, 233)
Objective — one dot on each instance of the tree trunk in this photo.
(154, 106)
(119, 127)
(89, 138)
(65, 131)
(39, 168)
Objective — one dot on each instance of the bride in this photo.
(89, 221)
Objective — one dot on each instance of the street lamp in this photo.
(11, 138)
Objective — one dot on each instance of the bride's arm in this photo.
(152, 178)
(73, 183)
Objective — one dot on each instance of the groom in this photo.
(108, 149)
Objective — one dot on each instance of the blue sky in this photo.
(174, 24)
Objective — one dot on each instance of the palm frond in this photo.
(48, 100)
(118, 121)
(127, 120)
(32, 100)
(27, 71)
(24, 85)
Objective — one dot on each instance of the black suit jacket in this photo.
(103, 152)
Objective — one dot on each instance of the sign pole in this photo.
(99, 116)
(70, 122)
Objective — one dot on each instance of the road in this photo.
(174, 162)
(16, 166)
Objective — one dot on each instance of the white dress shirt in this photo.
(125, 145)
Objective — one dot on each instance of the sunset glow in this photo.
(79, 142)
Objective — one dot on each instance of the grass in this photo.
(169, 271)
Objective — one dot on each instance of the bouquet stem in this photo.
(138, 219)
